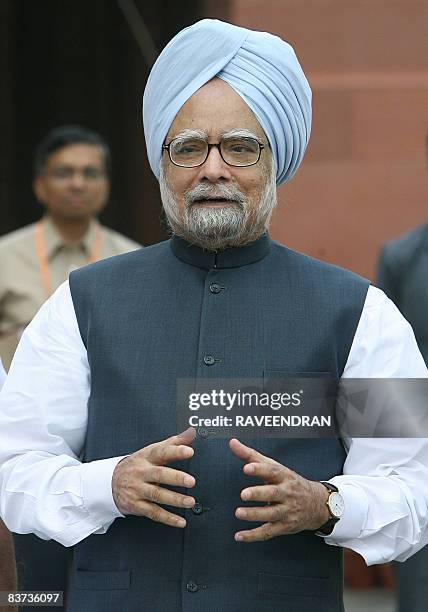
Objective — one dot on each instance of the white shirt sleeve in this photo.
(44, 488)
(385, 481)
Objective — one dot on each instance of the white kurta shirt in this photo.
(46, 490)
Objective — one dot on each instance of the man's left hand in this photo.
(293, 502)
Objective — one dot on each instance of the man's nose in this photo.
(77, 180)
(214, 167)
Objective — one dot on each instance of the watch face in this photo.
(336, 504)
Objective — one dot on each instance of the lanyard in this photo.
(43, 259)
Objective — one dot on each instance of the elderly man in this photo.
(161, 521)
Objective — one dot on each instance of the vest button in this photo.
(209, 360)
(215, 288)
(191, 586)
(198, 508)
(203, 433)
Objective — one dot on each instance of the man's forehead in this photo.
(76, 154)
(236, 132)
(215, 109)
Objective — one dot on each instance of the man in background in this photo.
(72, 182)
(402, 274)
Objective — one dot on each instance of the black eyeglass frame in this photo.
(218, 146)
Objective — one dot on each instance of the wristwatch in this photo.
(336, 507)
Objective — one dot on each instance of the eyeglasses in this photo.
(64, 173)
(193, 152)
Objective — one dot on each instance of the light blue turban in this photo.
(260, 67)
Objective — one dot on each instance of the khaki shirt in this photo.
(21, 284)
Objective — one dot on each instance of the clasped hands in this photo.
(289, 502)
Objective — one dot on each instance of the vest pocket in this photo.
(319, 384)
(277, 373)
(102, 581)
(297, 586)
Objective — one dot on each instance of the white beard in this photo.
(217, 228)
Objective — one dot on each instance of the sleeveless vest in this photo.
(172, 311)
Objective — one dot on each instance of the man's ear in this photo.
(39, 189)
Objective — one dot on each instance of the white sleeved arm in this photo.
(44, 488)
(385, 481)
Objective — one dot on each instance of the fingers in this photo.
(246, 453)
(134, 498)
(262, 533)
(159, 495)
(160, 515)
(185, 437)
(269, 471)
(168, 451)
(263, 493)
(174, 448)
(168, 476)
(264, 514)
(136, 479)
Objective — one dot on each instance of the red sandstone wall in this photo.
(364, 178)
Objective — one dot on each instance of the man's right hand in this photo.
(137, 480)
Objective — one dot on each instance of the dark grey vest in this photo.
(150, 317)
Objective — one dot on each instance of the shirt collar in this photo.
(54, 241)
(229, 258)
(88, 239)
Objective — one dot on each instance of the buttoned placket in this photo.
(212, 362)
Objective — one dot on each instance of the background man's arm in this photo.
(386, 274)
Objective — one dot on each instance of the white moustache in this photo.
(205, 193)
